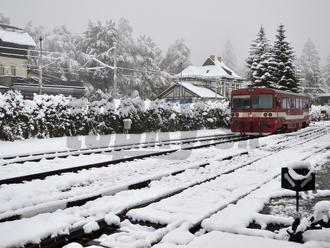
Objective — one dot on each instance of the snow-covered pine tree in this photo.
(176, 58)
(98, 43)
(257, 62)
(229, 56)
(326, 74)
(62, 54)
(282, 63)
(310, 69)
(126, 57)
(149, 78)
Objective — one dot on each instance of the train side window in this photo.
(297, 103)
(284, 102)
(292, 103)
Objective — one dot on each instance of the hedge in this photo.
(56, 116)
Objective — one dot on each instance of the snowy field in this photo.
(219, 189)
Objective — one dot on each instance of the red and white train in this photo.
(262, 111)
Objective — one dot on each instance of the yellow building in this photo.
(14, 45)
(15, 75)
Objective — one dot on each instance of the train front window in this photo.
(241, 102)
(262, 101)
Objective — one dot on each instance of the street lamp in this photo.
(40, 38)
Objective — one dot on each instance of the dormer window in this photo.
(227, 71)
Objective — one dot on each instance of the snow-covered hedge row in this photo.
(315, 112)
(56, 116)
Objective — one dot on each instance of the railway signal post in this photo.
(297, 177)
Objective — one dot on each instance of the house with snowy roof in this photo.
(213, 80)
(14, 45)
(186, 92)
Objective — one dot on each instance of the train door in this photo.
(278, 101)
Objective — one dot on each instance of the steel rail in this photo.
(36, 157)
(42, 175)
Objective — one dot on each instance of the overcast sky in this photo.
(205, 25)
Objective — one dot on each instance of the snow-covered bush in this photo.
(12, 115)
(56, 116)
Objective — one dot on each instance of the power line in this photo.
(104, 66)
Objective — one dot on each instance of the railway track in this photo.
(110, 190)
(36, 157)
(196, 226)
(78, 232)
(70, 201)
(42, 175)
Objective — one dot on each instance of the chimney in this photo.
(220, 59)
(212, 57)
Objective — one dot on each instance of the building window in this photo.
(13, 70)
(2, 70)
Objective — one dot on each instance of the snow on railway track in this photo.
(63, 220)
(198, 202)
(69, 190)
(73, 164)
(36, 157)
(219, 205)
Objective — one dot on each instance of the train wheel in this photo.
(282, 129)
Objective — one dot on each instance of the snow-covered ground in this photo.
(224, 197)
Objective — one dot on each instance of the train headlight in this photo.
(250, 114)
(232, 114)
(265, 114)
(270, 114)
(237, 114)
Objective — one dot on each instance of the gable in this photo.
(209, 61)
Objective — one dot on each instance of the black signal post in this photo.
(305, 182)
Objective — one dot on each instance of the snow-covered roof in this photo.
(200, 91)
(16, 36)
(214, 69)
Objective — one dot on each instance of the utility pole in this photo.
(40, 64)
(181, 88)
(115, 70)
(216, 88)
